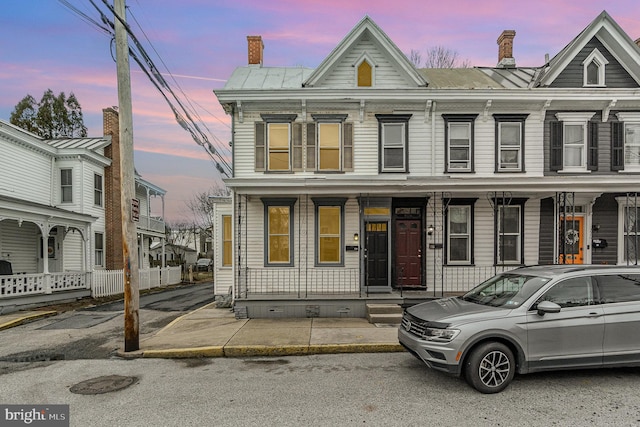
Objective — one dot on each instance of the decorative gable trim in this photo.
(600, 61)
(385, 43)
(356, 66)
(612, 36)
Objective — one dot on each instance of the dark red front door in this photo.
(408, 253)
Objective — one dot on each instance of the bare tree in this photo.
(180, 235)
(439, 57)
(201, 206)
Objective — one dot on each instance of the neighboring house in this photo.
(60, 212)
(173, 254)
(222, 220)
(366, 178)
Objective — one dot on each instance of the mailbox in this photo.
(599, 243)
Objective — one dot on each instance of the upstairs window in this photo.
(459, 135)
(66, 185)
(278, 143)
(97, 190)
(509, 142)
(574, 143)
(393, 134)
(329, 143)
(625, 142)
(594, 69)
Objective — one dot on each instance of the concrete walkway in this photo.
(215, 332)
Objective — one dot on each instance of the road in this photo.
(96, 332)
(392, 389)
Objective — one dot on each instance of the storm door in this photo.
(376, 254)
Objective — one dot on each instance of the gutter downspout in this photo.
(433, 138)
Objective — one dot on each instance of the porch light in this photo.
(430, 230)
(356, 237)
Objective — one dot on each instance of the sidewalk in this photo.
(215, 332)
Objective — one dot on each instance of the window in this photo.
(576, 292)
(66, 185)
(278, 143)
(226, 241)
(333, 140)
(393, 131)
(594, 69)
(574, 143)
(99, 249)
(459, 130)
(509, 231)
(459, 231)
(278, 232)
(365, 74)
(97, 190)
(625, 142)
(329, 230)
(509, 142)
(629, 229)
(619, 288)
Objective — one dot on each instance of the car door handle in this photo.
(594, 315)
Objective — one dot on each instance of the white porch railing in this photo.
(151, 223)
(111, 282)
(17, 285)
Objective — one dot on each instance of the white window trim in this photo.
(576, 119)
(501, 168)
(632, 118)
(601, 62)
(622, 205)
(364, 57)
(402, 168)
(468, 234)
(451, 169)
(268, 146)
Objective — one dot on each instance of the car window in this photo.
(573, 292)
(619, 288)
(507, 290)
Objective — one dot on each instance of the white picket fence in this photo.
(111, 282)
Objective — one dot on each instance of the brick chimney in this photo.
(505, 49)
(256, 49)
(113, 256)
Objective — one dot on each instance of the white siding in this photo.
(72, 251)
(19, 245)
(26, 174)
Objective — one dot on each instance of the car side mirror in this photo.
(548, 307)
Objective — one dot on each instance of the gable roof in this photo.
(611, 35)
(366, 25)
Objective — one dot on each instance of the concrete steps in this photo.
(384, 313)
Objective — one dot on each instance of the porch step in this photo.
(384, 313)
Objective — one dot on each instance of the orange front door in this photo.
(571, 244)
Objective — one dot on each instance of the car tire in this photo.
(490, 367)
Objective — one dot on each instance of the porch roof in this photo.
(26, 210)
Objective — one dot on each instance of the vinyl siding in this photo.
(605, 215)
(19, 245)
(72, 251)
(34, 186)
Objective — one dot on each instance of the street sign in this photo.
(135, 210)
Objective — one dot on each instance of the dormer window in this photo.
(594, 69)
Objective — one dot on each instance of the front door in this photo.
(571, 242)
(376, 254)
(408, 253)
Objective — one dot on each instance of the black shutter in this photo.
(555, 158)
(347, 146)
(311, 146)
(617, 146)
(260, 146)
(592, 155)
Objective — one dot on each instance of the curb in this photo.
(262, 351)
(26, 319)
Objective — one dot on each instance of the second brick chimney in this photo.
(505, 49)
(256, 49)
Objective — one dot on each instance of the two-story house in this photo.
(60, 214)
(368, 179)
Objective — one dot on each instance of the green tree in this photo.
(52, 117)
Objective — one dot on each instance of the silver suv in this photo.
(528, 320)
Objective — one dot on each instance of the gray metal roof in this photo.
(267, 78)
(458, 78)
(86, 143)
(512, 78)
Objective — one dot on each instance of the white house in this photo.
(366, 179)
(60, 213)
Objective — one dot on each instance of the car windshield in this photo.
(507, 290)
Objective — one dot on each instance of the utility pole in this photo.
(127, 180)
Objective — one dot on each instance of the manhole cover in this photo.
(102, 385)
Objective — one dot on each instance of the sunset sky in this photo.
(47, 46)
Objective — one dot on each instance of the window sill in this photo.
(568, 171)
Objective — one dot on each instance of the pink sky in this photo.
(45, 45)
